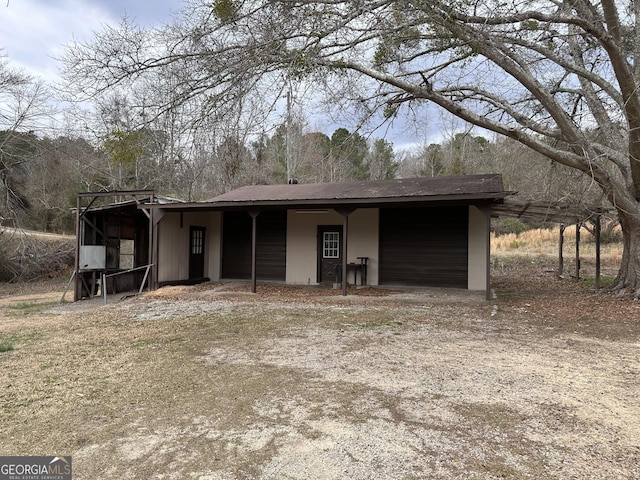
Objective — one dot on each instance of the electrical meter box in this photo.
(93, 257)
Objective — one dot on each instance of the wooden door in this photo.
(329, 252)
(196, 252)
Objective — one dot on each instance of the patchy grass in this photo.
(606, 281)
(31, 307)
(6, 346)
(8, 342)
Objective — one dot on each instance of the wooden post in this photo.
(77, 285)
(598, 226)
(578, 225)
(254, 219)
(345, 232)
(560, 256)
(487, 215)
(345, 212)
(151, 256)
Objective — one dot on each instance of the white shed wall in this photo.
(302, 242)
(173, 244)
(478, 249)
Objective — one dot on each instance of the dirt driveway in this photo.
(212, 382)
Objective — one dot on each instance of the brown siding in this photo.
(271, 263)
(271, 251)
(236, 245)
(424, 246)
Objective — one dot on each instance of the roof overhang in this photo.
(414, 192)
(554, 212)
(126, 206)
(330, 203)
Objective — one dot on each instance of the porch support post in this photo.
(155, 215)
(487, 214)
(76, 275)
(560, 256)
(345, 212)
(598, 229)
(151, 256)
(254, 216)
(578, 225)
(345, 234)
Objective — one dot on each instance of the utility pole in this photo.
(288, 140)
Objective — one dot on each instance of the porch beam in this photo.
(113, 193)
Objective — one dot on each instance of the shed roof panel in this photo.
(474, 186)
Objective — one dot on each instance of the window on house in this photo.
(127, 254)
(331, 245)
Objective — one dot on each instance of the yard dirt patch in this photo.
(213, 382)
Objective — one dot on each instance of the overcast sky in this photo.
(33, 32)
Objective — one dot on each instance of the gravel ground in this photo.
(212, 382)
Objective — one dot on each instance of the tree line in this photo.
(112, 148)
(41, 176)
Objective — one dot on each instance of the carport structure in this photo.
(563, 214)
(113, 239)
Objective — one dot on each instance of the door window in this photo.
(331, 245)
(197, 241)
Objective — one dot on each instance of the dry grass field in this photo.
(213, 382)
(540, 248)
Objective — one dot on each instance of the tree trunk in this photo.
(628, 279)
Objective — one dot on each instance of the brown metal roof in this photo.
(407, 190)
(368, 193)
(487, 186)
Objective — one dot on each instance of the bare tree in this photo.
(559, 77)
(23, 107)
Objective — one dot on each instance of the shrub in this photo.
(611, 233)
(30, 257)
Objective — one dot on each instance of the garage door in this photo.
(271, 245)
(424, 246)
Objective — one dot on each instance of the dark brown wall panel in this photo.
(424, 246)
(271, 248)
(271, 245)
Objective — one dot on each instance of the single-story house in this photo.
(406, 232)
